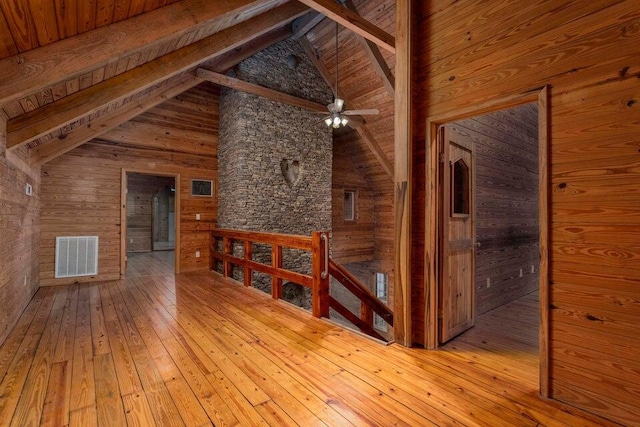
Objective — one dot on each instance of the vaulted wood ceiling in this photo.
(71, 70)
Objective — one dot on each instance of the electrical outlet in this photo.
(488, 282)
(130, 240)
(197, 254)
(521, 273)
(197, 217)
(533, 268)
(25, 281)
(28, 190)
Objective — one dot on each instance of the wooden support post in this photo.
(276, 262)
(228, 249)
(320, 273)
(212, 247)
(366, 314)
(248, 256)
(403, 174)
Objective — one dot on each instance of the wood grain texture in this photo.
(58, 62)
(354, 22)
(210, 351)
(506, 213)
(352, 241)
(129, 81)
(95, 180)
(19, 227)
(470, 54)
(403, 134)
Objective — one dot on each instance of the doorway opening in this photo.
(150, 203)
(489, 232)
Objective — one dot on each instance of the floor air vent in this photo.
(76, 256)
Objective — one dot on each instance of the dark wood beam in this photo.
(356, 123)
(39, 122)
(374, 147)
(353, 22)
(56, 147)
(228, 60)
(375, 57)
(254, 89)
(38, 69)
(306, 23)
(322, 69)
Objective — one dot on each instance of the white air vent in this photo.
(76, 256)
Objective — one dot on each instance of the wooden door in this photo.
(456, 295)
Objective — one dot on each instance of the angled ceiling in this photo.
(72, 70)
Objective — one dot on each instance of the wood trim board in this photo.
(431, 279)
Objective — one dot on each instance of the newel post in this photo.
(320, 273)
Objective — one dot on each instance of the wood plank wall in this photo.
(81, 189)
(141, 191)
(506, 203)
(353, 163)
(19, 228)
(351, 241)
(470, 52)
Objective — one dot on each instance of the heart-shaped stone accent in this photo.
(290, 171)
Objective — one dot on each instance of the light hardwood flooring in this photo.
(197, 349)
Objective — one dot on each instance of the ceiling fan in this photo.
(337, 114)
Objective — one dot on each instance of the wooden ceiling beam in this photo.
(322, 69)
(225, 62)
(306, 23)
(371, 143)
(56, 147)
(254, 89)
(38, 69)
(37, 123)
(353, 22)
(375, 56)
(358, 125)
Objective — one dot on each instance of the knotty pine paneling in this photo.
(468, 53)
(352, 241)
(505, 203)
(355, 165)
(26, 25)
(82, 188)
(19, 228)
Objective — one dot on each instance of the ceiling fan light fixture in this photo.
(328, 121)
(339, 103)
(344, 121)
(336, 121)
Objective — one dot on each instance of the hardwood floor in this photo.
(196, 350)
(150, 263)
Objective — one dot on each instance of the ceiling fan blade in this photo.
(370, 111)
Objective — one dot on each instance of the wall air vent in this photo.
(76, 256)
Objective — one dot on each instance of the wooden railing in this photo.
(369, 303)
(318, 281)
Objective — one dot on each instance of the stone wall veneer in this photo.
(275, 160)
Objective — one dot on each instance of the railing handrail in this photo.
(361, 291)
(318, 280)
(289, 240)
